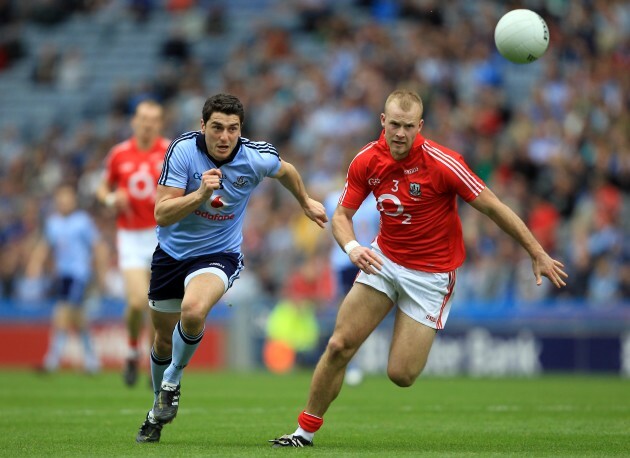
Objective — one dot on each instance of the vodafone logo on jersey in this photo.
(213, 216)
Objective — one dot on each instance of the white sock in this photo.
(166, 386)
(305, 434)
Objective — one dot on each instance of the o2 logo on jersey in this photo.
(391, 205)
(141, 183)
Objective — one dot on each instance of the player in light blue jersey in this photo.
(73, 241)
(206, 182)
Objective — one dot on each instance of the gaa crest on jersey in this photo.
(414, 189)
(240, 182)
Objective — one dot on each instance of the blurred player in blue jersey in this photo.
(366, 223)
(206, 181)
(72, 238)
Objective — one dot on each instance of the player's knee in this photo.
(340, 348)
(163, 342)
(192, 318)
(401, 377)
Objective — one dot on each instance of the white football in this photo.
(354, 377)
(521, 36)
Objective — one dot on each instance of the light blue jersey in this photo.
(216, 225)
(72, 238)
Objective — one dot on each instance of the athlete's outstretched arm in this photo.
(171, 205)
(290, 178)
(489, 204)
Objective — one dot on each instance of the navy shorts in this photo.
(71, 290)
(169, 276)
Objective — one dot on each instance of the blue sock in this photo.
(57, 344)
(184, 347)
(158, 366)
(91, 360)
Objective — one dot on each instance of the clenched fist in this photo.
(211, 180)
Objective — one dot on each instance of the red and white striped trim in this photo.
(366, 148)
(458, 169)
(451, 286)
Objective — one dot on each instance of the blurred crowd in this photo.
(551, 138)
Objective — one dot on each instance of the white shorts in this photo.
(135, 248)
(423, 296)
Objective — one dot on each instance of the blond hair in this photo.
(406, 99)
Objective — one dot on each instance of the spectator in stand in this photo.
(72, 72)
(46, 69)
(176, 48)
(12, 46)
(141, 9)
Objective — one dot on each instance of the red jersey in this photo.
(417, 199)
(136, 172)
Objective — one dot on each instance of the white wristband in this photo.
(351, 245)
(110, 200)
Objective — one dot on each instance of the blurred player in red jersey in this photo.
(129, 185)
(412, 263)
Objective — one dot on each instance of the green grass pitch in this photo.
(232, 414)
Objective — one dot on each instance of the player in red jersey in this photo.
(129, 185)
(412, 263)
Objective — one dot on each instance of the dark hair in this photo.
(223, 103)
